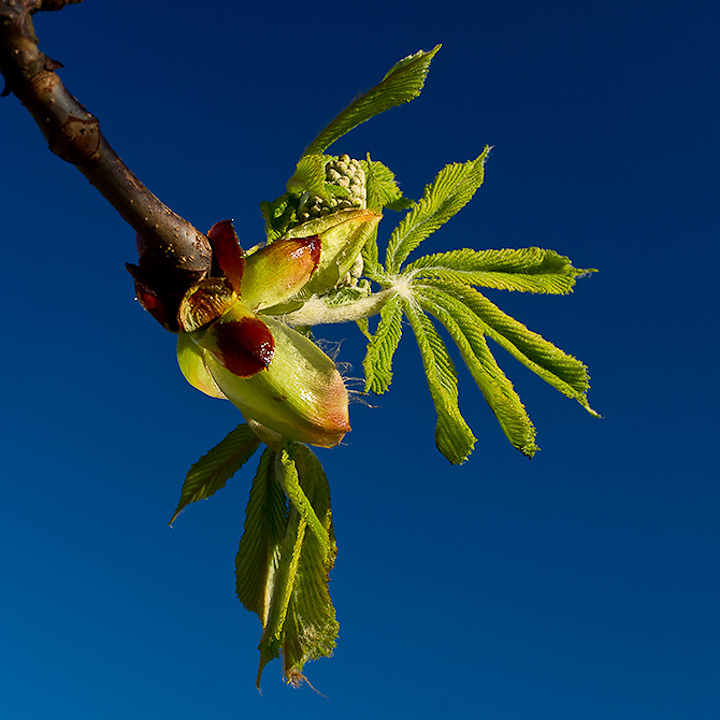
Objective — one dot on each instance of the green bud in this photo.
(274, 375)
(343, 236)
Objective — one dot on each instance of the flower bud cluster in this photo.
(342, 172)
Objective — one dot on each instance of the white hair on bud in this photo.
(315, 311)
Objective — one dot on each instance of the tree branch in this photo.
(173, 254)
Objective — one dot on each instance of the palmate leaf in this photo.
(212, 471)
(451, 190)
(378, 358)
(466, 330)
(311, 627)
(280, 591)
(441, 284)
(560, 370)
(402, 83)
(286, 472)
(265, 529)
(453, 437)
(527, 269)
(300, 622)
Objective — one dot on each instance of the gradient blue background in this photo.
(583, 584)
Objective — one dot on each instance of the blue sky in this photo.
(582, 584)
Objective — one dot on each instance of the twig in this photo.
(173, 253)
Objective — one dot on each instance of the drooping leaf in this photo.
(280, 591)
(451, 190)
(212, 471)
(265, 529)
(381, 348)
(527, 270)
(402, 83)
(301, 623)
(311, 626)
(453, 437)
(287, 474)
(466, 329)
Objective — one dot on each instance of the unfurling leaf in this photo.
(527, 270)
(382, 188)
(309, 176)
(560, 370)
(283, 565)
(451, 190)
(322, 264)
(381, 348)
(467, 332)
(402, 83)
(453, 437)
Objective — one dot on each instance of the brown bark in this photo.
(173, 254)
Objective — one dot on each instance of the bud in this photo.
(343, 235)
(342, 172)
(337, 217)
(271, 373)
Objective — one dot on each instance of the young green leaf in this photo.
(280, 590)
(382, 188)
(381, 348)
(466, 329)
(311, 626)
(451, 190)
(265, 528)
(364, 327)
(309, 176)
(402, 83)
(371, 264)
(287, 474)
(301, 623)
(564, 372)
(453, 437)
(527, 270)
(279, 215)
(210, 473)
